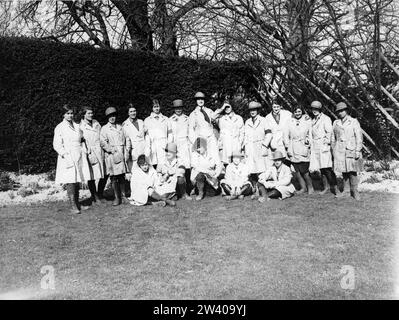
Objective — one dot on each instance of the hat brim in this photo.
(112, 114)
(171, 151)
(279, 158)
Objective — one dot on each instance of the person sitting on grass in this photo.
(146, 187)
(236, 183)
(206, 168)
(275, 182)
(172, 173)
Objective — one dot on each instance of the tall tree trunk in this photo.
(135, 14)
(165, 29)
(297, 49)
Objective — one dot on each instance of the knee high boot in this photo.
(182, 188)
(309, 183)
(201, 186)
(332, 180)
(117, 191)
(346, 187)
(274, 194)
(81, 207)
(325, 184)
(71, 197)
(101, 186)
(354, 184)
(122, 186)
(94, 196)
(302, 183)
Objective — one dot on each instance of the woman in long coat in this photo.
(179, 134)
(320, 156)
(67, 143)
(156, 128)
(231, 136)
(114, 144)
(133, 129)
(278, 121)
(347, 144)
(256, 140)
(299, 135)
(93, 168)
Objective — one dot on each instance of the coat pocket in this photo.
(325, 148)
(299, 148)
(92, 158)
(68, 161)
(117, 157)
(350, 153)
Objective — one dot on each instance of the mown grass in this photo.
(292, 249)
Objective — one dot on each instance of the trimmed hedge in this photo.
(38, 77)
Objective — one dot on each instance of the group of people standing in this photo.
(207, 153)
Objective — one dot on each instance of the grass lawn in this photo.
(292, 249)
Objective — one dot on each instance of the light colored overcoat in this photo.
(179, 134)
(320, 146)
(156, 128)
(67, 143)
(113, 142)
(299, 139)
(279, 179)
(200, 128)
(231, 138)
(256, 149)
(93, 168)
(346, 141)
(279, 130)
(135, 139)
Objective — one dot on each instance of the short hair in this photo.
(66, 107)
(298, 107)
(130, 105)
(141, 160)
(85, 109)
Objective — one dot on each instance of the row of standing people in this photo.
(89, 152)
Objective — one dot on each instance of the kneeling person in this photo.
(236, 182)
(275, 182)
(146, 186)
(206, 168)
(172, 173)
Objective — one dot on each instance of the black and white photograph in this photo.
(221, 151)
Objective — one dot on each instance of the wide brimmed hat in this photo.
(316, 105)
(278, 155)
(341, 106)
(199, 95)
(199, 142)
(178, 103)
(171, 147)
(110, 110)
(254, 105)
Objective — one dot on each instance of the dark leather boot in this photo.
(71, 198)
(117, 192)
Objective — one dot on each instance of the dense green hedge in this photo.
(38, 77)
